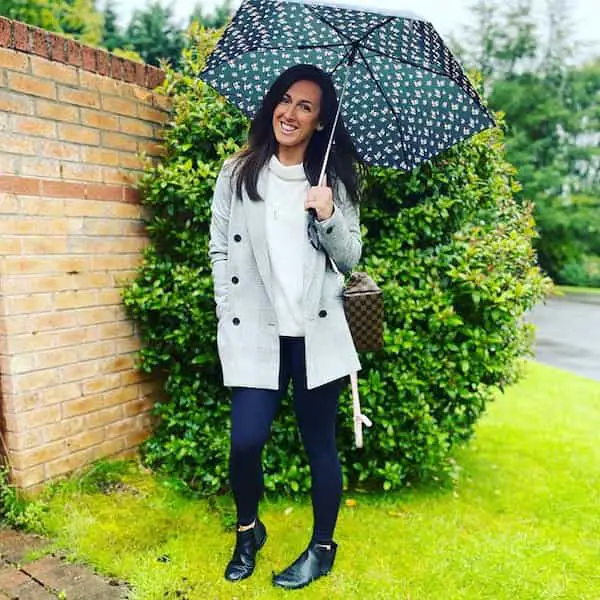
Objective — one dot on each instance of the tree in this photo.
(112, 34)
(154, 35)
(81, 19)
(39, 13)
(501, 39)
(215, 20)
(549, 103)
(74, 18)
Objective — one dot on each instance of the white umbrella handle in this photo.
(358, 417)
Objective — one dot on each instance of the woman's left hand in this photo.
(320, 198)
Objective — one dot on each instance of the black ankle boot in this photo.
(247, 544)
(314, 562)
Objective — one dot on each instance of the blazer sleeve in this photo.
(218, 245)
(340, 234)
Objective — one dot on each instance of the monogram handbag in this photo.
(363, 305)
(363, 301)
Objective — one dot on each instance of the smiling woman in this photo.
(279, 302)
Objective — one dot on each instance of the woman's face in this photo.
(296, 117)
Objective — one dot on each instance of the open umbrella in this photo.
(403, 96)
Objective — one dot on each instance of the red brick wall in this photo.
(74, 122)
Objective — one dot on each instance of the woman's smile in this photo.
(287, 128)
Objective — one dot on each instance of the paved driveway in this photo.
(568, 334)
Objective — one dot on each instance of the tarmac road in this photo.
(568, 333)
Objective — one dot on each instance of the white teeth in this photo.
(287, 128)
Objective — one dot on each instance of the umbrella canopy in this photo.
(406, 97)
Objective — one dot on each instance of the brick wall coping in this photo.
(33, 40)
(30, 186)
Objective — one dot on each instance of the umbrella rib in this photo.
(375, 28)
(313, 10)
(303, 47)
(382, 91)
(342, 34)
(341, 61)
(424, 68)
(391, 56)
(406, 61)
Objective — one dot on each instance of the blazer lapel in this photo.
(257, 230)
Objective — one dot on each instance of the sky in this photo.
(448, 16)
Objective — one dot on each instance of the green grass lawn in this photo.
(521, 523)
(567, 289)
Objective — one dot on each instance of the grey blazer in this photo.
(247, 336)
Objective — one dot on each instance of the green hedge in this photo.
(451, 249)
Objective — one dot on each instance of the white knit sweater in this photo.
(286, 191)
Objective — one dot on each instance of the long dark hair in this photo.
(344, 164)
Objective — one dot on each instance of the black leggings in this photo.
(253, 411)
